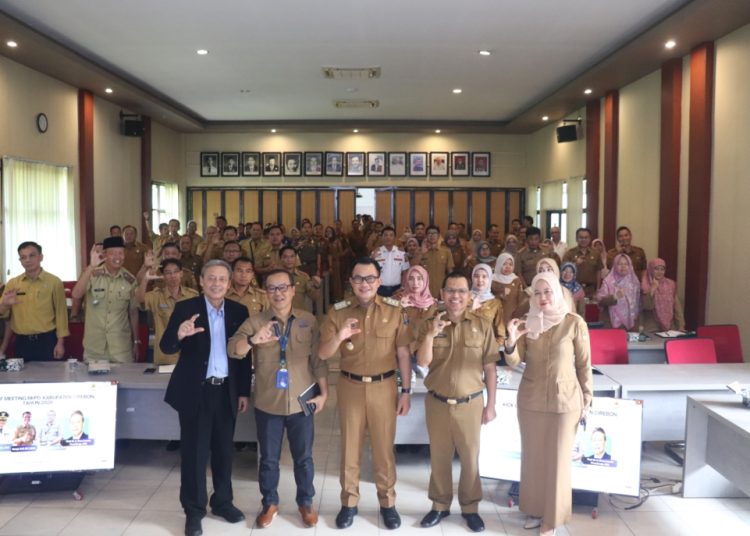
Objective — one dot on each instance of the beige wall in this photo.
(551, 161)
(729, 285)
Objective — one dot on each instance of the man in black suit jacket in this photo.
(207, 389)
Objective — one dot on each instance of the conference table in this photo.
(141, 410)
(650, 351)
(664, 390)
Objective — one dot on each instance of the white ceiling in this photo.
(276, 50)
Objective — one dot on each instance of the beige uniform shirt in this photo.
(254, 299)
(270, 258)
(161, 304)
(526, 263)
(438, 262)
(637, 257)
(303, 286)
(588, 263)
(459, 354)
(107, 332)
(414, 317)
(374, 349)
(134, 256)
(255, 250)
(41, 308)
(197, 239)
(512, 296)
(302, 362)
(492, 310)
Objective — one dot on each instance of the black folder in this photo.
(307, 395)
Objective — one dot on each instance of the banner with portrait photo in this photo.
(606, 455)
(52, 427)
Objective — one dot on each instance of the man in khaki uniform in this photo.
(636, 254)
(35, 301)
(256, 247)
(192, 232)
(161, 301)
(494, 240)
(530, 255)
(370, 334)
(190, 260)
(242, 289)
(134, 250)
(271, 259)
(436, 259)
(284, 342)
(461, 353)
(304, 285)
(170, 250)
(587, 261)
(211, 237)
(25, 433)
(111, 330)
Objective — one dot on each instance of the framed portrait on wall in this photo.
(292, 164)
(376, 164)
(438, 164)
(417, 164)
(334, 164)
(230, 164)
(355, 164)
(271, 164)
(480, 164)
(250, 164)
(209, 164)
(397, 164)
(313, 164)
(460, 164)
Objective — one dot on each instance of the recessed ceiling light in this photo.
(201, 51)
(356, 131)
(437, 131)
(108, 90)
(545, 118)
(273, 131)
(485, 53)
(458, 90)
(11, 44)
(670, 44)
(588, 91)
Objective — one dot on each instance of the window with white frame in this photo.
(164, 204)
(538, 215)
(38, 206)
(584, 206)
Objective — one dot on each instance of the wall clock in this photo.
(42, 123)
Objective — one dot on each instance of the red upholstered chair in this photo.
(591, 312)
(143, 337)
(608, 347)
(690, 351)
(726, 338)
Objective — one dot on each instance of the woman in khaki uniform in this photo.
(417, 302)
(507, 286)
(484, 304)
(554, 395)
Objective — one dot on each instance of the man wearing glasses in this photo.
(284, 342)
(370, 334)
(460, 349)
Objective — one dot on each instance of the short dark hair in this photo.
(528, 219)
(230, 228)
(238, 260)
(623, 228)
(163, 226)
(388, 228)
(286, 248)
(514, 220)
(220, 218)
(30, 244)
(124, 227)
(278, 271)
(167, 262)
(455, 274)
(112, 227)
(418, 224)
(366, 261)
(275, 226)
(431, 227)
(230, 243)
(170, 244)
(533, 231)
(581, 229)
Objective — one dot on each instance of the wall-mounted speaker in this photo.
(567, 133)
(132, 127)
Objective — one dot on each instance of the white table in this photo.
(665, 388)
(717, 454)
(647, 352)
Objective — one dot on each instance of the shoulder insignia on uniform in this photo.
(127, 276)
(341, 305)
(392, 302)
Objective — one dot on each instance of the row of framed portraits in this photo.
(338, 164)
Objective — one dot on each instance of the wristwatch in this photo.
(406, 390)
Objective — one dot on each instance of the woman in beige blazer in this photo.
(554, 395)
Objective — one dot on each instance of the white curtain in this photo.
(38, 206)
(165, 204)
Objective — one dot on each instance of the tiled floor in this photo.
(140, 498)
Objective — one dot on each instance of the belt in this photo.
(458, 400)
(368, 379)
(35, 336)
(213, 380)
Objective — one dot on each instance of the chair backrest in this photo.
(727, 341)
(690, 351)
(609, 347)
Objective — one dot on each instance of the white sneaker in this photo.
(532, 522)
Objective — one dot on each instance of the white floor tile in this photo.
(39, 521)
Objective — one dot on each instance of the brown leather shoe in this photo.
(309, 516)
(266, 517)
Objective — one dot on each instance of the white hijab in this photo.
(498, 275)
(560, 306)
(486, 294)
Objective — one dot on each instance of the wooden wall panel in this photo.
(327, 212)
(440, 211)
(422, 207)
(196, 209)
(250, 202)
(232, 206)
(514, 207)
(497, 210)
(479, 211)
(346, 207)
(403, 211)
(611, 152)
(308, 208)
(213, 206)
(383, 206)
(270, 208)
(460, 209)
(290, 215)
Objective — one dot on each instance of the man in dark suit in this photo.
(207, 389)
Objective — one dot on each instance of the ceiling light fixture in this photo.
(356, 131)
(108, 90)
(670, 44)
(485, 53)
(545, 118)
(273, 131)
(458, 91)
(588, 91)
(437, 131)
(11, 44)
(201, 51)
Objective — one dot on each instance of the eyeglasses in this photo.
(278, 288)
(457, 291)
(358, 279)
(432, 232)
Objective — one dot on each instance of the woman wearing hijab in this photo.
(661, 307)
(554, 395)
(568, 274)
(483, 254)
(620, 293)
(507, 286)
(549, 265)
(458, 251)
(484, 303)
(417, 301)
(413, 251)
(601, 250)
(471, 245)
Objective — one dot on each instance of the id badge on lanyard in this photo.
(282, 375)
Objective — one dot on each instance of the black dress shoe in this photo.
(229, 512)
(345, 517)
(433, 517)
(193, 526)
(474, 522)
(391, 519)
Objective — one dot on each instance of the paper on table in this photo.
(670, 334)
(166, 369)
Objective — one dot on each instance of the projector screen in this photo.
(55, 427)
